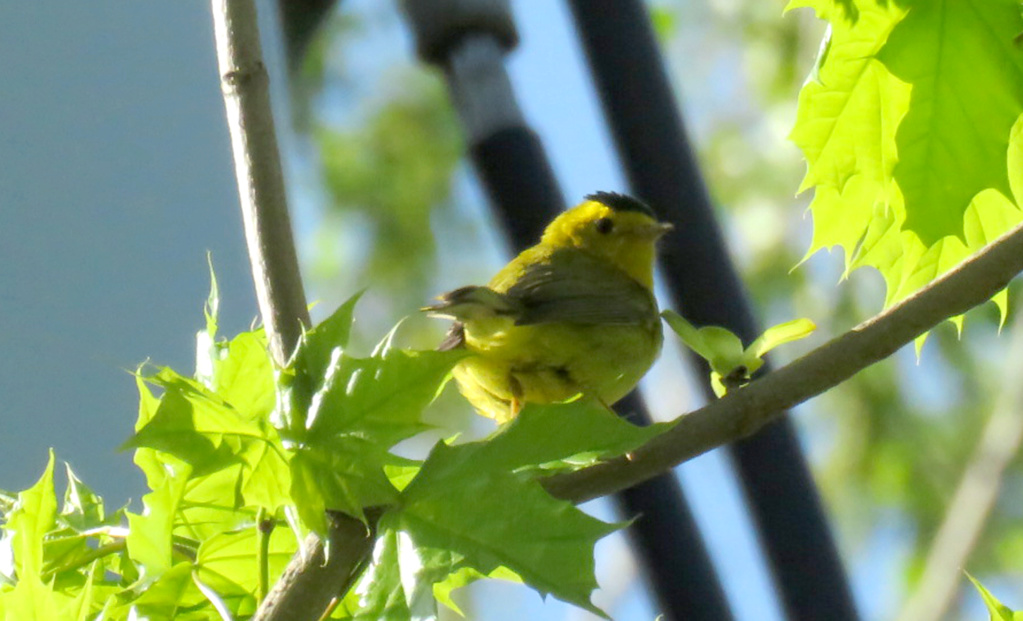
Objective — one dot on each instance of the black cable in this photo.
(649, 134)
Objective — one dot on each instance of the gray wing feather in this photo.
(580, 289)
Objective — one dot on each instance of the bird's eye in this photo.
(605, 226)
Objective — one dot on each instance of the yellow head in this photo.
(615, 227)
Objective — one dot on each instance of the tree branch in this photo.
(313, 578)
(745, 411)
(245, 83)
(311, 581)
(968, 512)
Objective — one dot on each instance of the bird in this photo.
(573, 315)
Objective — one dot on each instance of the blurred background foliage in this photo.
(396, 209)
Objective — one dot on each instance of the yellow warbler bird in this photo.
(573, 314)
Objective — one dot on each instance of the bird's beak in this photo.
(656, 230)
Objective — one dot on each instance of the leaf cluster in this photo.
(731, 364)
(910, 125)
(244, 459)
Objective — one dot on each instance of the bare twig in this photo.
(310, 581)
(970, 508)
(745, 411)
(257, 164)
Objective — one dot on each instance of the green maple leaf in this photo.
(848, 112)
(475, 510)
(228, 564)
(495, 519)
(910, 127)
(965, 68)
(343, 414)
(33, 516)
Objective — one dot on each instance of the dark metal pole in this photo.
(300, 21)
(650, 136)
(470, 40)
(672, 555)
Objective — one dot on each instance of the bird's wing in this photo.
(573, 287)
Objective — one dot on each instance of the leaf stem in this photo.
(264, 529)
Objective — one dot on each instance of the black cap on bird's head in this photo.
(602, 218)
(621, 202)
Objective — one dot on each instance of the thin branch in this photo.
(257, 163)
(310, 581)
(745, 411)
(971, 506)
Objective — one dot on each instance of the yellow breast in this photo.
(553, 362)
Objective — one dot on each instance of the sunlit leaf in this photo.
(381, 591)
(965, 69)
(82, 508)
(151, 533)
(343, 474)
(997, 610)
(906, 125)
(243, 376)
(718, 346)
(332, 333)
(228, 564)
(451, 505)
(847, 117)
(171, 595)
(361, 408)
(32, 517)
(781, 334)
(731, 364)
(563, 436)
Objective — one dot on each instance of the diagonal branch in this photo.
(257, 164)
(745, 411)
(974, 499)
